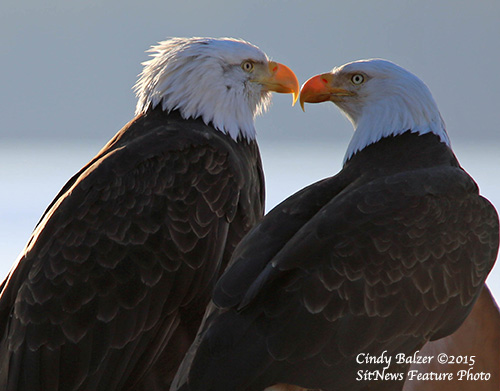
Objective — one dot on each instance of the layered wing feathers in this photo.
(133, 242)
(414, 248)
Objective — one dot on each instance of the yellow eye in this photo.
(357, 79)
(247, 66)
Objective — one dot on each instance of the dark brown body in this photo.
(113, 284)
(391, 252)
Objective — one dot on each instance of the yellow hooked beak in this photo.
(319, 89)
(278, 78)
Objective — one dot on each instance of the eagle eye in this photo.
(357, 79)
(247, 66)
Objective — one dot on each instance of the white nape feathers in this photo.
(389, 101)
(379, 98)
(204, 77)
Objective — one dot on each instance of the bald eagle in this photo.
(373, 262)
(112, 285)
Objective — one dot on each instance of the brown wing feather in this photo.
(122, 259)
(407, 271)
(384, 265)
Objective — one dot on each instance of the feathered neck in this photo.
(408, 106)
(195, 76)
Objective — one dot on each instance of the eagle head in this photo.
(380, 99)
(225, 81)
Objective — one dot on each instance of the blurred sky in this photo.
(67, 69)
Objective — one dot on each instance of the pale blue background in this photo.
(67, 68)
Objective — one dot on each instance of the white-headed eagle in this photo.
(390, 253)
(113, 283)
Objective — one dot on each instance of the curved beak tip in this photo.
(306, 93)
(319, 89)
(293, 86)
(302, 105)
(283, 80)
